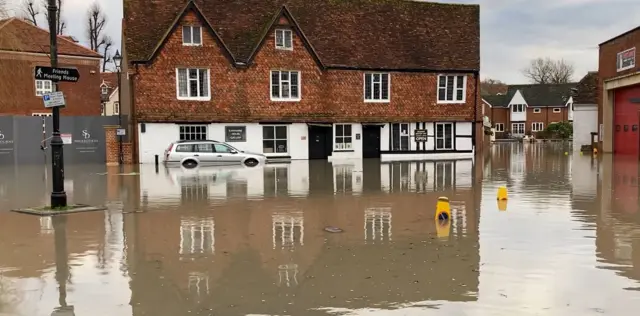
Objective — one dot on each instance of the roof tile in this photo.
(587, 89)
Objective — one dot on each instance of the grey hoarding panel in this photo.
(7, 140)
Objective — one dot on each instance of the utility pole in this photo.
(58, 195)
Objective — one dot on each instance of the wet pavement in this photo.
(252, 241)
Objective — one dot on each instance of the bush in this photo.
(562, 130)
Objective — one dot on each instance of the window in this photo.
(191, 35)
(451, 89)
(400, 136)
(43, 87)
(376, 87)
(192, 84)
(343, 136)
(557, 110)
(537, 110)
(274, 139)
(220, 148)
(204, 148)
(517, 128)
(186, 148)
(105, 90)
(284, 39)
(41, 114)
(537, 127)
(285, 85)
(499, 127)
(444, 136)
(517, 108)
(193, 132)
(116, 107)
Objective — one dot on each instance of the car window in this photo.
(222, 148)
(204, 148)
(184, 148)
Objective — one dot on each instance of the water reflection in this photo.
(240, 241)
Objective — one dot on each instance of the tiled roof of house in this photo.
(19, 35)
(376, 34)
(497, 100)
(541, 95)
(587, 89)
(109, 78)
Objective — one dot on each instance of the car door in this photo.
(205, 153)
(224, 155)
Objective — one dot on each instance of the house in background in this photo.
(306, 80)
(529, 108)
(585, 109)
(23, 47)
(109, 94)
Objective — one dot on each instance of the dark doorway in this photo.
(320, 141)
(371, 141)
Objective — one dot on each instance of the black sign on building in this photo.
(235, 133)
(420, 135)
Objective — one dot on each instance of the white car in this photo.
(194, 153)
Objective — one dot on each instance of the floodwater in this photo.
(241, 241)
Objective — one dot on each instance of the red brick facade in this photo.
(113, 147)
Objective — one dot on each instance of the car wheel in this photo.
(189, 164)
(251, 162)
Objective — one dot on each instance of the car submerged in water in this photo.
(193, 153)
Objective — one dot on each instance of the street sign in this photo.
(121, 132)
(67, 139)
(53, 99)
(56, 74)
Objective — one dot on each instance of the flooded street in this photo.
(251, 241)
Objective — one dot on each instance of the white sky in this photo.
(513, 31)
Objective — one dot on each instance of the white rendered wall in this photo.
(585, 121)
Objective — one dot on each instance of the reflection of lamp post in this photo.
(62, 266)
(117, 60)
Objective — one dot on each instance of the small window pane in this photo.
(347, 130)
(287, 39)
(460, 82)
(281, 132)
(450, 80)
(442, 81)
(279, 38)
(339, 130)
(385, 86)
(197, 35)
(204, 83)
(367, 86)
(459, 95)
(186, 34)
(442, 94)
(268, 132)
(268, 147)
(281, 146)
(182, 83)
(222, 148)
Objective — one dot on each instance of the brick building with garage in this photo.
(298, 79)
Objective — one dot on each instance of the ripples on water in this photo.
(240, 241)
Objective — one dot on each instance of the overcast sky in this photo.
(513, 31)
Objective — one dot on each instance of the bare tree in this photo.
(31, 11)
(97, 20)
(547, 70)
(4, 9)
(61, 24)
(108, 42)
(490, 86)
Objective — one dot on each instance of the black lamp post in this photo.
(117, 61)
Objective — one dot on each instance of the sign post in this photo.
(56, 74)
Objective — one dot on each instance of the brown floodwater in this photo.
(251, 241)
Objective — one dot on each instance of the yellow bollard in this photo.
(443, 228)
(502, 193)
(566, 153)
(443, 209)
(502, 205)
(595, 150)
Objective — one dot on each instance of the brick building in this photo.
(24, 46)
(619, 94)
(529, 108)
(303, 80)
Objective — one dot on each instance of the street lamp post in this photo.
(117, 60)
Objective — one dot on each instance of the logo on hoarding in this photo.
(3, 140)
(86, 138)
(86, 134)
(1, 135)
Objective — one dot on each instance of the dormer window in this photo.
(105, 90)
(284, 39)
(191, 35)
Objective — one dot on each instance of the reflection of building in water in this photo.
(194, 189)
(426, 176)
(198, 284)
(377, 224)
(458, 218)
(287, 229)
(276, 181)
(197, 236)
(288, 274)
(444, 174)
(46, 227)
(343, 182)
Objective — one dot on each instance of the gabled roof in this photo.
(497, 100)
(21, 36)
(587, 89)
(542, 95)
(109, 78)
(380, 34)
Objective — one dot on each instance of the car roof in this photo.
(197, 141)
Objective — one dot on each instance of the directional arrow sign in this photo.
(56, 74)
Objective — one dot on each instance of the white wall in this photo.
(585, 121)
(518, 99)
(570, 108)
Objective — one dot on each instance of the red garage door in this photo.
(626, 118)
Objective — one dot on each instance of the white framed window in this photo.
(41, 114)
(43, 87)
(557, 110)
(399, 136)
(193, 84)
(444, 136)
(275, 139)
(537, 126)
(191, 35)
(452, 88)
(284, 39)
(105, 89)
(344, 137)
(377, 87)
(116, 107)
(517, 128)
(193, 132)
(517, 108)
(537, 110)
(499, 127)
(285, 85)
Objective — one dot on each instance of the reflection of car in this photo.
(191, 154)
